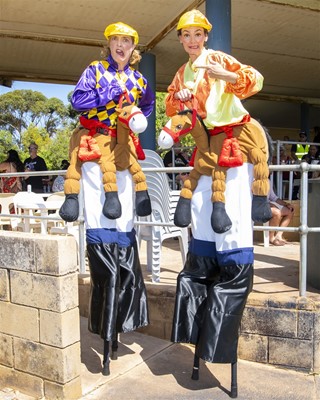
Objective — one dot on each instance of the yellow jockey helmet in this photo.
(119, 28)
(194, 18)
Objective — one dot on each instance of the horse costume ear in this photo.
(188, 119)
(120, 108)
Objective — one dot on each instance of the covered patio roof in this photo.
(53, 41)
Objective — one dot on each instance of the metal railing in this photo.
(302, 229)
(291, 181)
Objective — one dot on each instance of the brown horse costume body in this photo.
(113, 151)
(215, 153)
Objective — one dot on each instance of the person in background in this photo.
(11, 164)
(287, 146)
(311, 158)
(316, 138)
(179, 161)
(58, 183)
(297, 152)
(35, 163)
(282, 213)
(284, 159)
(300, 149)
(312, 154)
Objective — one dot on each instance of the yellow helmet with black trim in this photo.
(119, 28)
(194, 18)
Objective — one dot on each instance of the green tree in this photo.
(6, 144)
(57, 149)
(21, 108)
(161, 117)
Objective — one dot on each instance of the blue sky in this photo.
(48, 89)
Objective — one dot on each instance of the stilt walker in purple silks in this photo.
(118, 301)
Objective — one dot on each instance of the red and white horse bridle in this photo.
(176, 135)
(126, 121)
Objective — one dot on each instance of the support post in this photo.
(219, 14)
(148, 69)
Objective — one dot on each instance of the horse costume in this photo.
(112, 149)
(214, 154)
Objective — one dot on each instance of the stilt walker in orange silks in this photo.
(216, 280)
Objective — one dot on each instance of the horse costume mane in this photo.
(216, 151)
(114, 150)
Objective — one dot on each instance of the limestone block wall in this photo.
(273, 330)
(161, 309)
(39, 315)
(282, 333)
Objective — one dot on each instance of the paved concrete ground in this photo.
(149, 368)
(154, 369)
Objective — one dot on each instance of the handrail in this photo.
(303, 228)
(278, 144)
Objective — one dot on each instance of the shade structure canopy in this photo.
(53, 41)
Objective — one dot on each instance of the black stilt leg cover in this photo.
(209, 304)
(118, 300)
(193, 283)
(132, 308)
(218, 341)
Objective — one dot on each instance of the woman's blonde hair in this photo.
(134, 58)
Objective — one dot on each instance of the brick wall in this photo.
(281, 332)
(39, 315)
(274, 330)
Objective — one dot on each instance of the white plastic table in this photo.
(30, 205)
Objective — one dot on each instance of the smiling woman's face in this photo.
(121, 48)
(193, 40)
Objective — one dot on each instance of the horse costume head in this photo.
(177, 127)
(132, 117)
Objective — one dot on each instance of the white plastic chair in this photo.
(5, 200)
(62, 227)
(57, 197)
(163, 202)
(34, 201)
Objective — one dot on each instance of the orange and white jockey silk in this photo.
(219, 102)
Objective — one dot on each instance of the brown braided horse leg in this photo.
(220, 220)
(182, 215)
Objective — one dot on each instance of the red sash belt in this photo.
(89, 149)
(230, 155)
(95, 126)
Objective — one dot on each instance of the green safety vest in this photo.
(301, 150)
